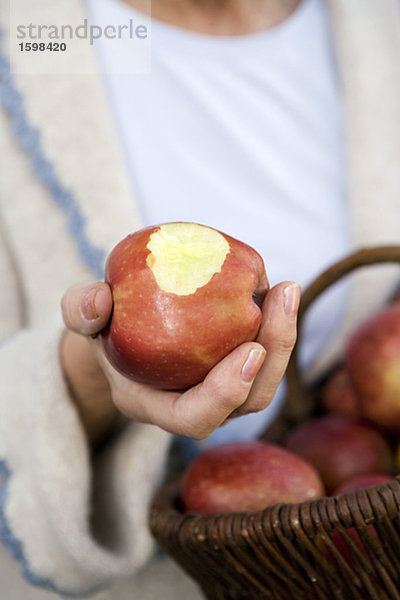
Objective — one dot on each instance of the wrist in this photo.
(88, 386)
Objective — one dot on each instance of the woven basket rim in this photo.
(167, 498)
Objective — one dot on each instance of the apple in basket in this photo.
(185, 295)
(361, 482)
(373, 364)
(340, 448)
(247, 476)
(338, 395)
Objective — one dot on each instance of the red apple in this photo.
(185, 295)
(373, 364)
(362, 481)
(242, 476)
(338, 395)
(340, 448)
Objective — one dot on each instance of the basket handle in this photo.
(298, 403)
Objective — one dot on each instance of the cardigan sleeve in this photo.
(11, 296)
(49, 486)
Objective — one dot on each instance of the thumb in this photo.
(86, 308)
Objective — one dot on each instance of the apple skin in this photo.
(172, 341)
(362, 481)
(373, 364)
(340, 448)
(247, 476)
(338, 395)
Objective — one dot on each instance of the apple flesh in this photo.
(373, 364)
(185, 295)
(247, 476)
(340, 448)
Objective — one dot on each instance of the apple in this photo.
(247, 476)
(373, 364)
(338, 395)
(185, 295)
(340, 447)
(362, 481)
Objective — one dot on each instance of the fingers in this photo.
(86, 308)
(200, 410)
(244, 381)
(278, 336)
(226, 388)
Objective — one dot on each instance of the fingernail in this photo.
(291, 299)
(253, 363)
(88, 306)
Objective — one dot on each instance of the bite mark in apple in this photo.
(184, 256)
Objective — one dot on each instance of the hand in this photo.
(244, 381)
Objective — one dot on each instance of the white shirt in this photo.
(244, 134)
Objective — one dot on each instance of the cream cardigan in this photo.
(65, 200)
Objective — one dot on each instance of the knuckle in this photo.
(215, 387)
(286, 343)
(243, 411)
(198, 434)
(227, 395)
(194, 429)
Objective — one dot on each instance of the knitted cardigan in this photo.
(65, 200)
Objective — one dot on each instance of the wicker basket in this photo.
(286, 552)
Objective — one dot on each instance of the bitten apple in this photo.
(185, 295)
(340, 448)
(247, 476)
(373, 363)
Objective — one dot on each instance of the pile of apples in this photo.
(185, 295)
(327, 455)
(350, 444)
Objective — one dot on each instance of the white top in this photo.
(245, 134)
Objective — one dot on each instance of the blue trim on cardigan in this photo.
(15, 547)
(28, 138)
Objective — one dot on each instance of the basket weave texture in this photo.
(293, 551)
